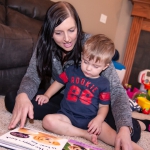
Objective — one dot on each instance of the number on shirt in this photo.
(85, 97)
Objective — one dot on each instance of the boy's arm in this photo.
(102, 112)
(94, 126)
(54, 88)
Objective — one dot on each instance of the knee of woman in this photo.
(137, 131)
(9, 100)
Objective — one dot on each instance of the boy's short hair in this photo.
(100, 47)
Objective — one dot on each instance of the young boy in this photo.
(87, 94)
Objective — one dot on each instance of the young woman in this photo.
(60, 45)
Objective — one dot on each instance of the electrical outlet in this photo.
(103, 18)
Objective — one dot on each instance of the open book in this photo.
(29, 139)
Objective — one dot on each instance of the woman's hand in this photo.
(22, 108)
(123, 139)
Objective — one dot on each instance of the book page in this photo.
(26, 138)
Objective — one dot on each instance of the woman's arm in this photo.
(27, 90)
(31, 81)
(119, 100)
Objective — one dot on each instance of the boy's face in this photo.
(91, 68)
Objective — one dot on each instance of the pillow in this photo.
(121, 70)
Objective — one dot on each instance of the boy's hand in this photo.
(94, 126)
(42, 99)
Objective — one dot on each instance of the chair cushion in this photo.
(16, 47)
(32, 8)
(2, 14)
(18, 20)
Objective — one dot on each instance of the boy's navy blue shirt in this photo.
(83, 95)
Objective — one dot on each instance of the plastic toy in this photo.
(127, 87)
(146, 111)
(142, 96)
(143, 100)
(144, 79)
(134, 106)
(144, 103)
(131, 93)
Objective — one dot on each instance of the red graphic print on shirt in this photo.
(86, 97)
(64, 77)
(104, 96)
(74, 92)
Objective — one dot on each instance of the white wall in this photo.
(123, 28)
(118, 19)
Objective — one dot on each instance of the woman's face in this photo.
(65, 35)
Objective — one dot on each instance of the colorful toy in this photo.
(144, 79)
(127, 87)
(144, 103)
(134, 106)
(131, 93)
(142, 96)
(146, 111)
(143, 99)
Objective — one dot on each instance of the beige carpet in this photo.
(5, 117)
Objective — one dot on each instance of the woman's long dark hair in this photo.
(55, 15)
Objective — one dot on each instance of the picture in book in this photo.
(26, 138)
(76, 145)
